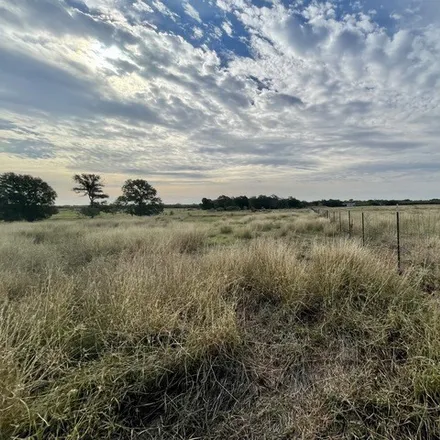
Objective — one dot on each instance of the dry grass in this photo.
(419, 232)
(141, 329)
(226, 229)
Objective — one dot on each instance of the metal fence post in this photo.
(363, 229)
(340, 222)
(399, 265)
(349, 224)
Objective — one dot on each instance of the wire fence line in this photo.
(413, 235)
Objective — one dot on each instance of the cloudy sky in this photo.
(308, 98)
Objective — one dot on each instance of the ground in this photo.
(192, 324)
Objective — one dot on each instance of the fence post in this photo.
(399, 265)
(349, 224)
(340, 222)
(363, 229)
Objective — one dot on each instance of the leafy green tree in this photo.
(223, 202)
(140, 198)
(23, 197)
(207, 204)
(292, 202)
(242, 202)
(90, 185)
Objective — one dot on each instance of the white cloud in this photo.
(197, 32)
(163, 9)
(326, 97)
(191, 11)
(227, 28)
(217, 32)
(139, 5)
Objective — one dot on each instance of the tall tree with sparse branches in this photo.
(90, 185)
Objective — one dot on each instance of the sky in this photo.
(304, 98)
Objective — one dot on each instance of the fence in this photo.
(411, 234)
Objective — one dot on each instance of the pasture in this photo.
(207, 325)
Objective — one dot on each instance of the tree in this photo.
(223, 202)
(90, 185)
(242, 202)
(140, 198)
(292, 202)
(23, 197)
(207, 204)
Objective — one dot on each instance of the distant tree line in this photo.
(24, 197)
(182, 206)
(225, 203)
(394, 202)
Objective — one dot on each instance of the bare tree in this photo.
(90, 185)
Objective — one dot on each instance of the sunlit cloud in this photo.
(310, 99)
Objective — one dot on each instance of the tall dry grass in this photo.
(144, 331)
(419, 232)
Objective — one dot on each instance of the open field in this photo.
(200, 325)
(419, 230)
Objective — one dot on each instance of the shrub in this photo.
(90, 211)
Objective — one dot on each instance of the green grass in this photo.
(66, 214)
(264, 326)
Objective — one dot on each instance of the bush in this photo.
(90, 211)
